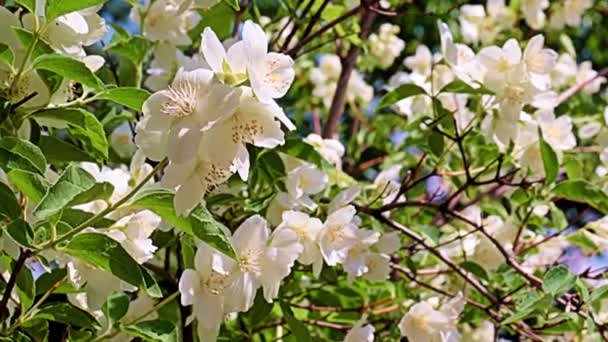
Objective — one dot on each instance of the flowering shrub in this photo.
(302, 171)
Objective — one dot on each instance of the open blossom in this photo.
(304, 180)
(370, 256)
(386, 45)
(533, 11)
(425, 323)
(585, 73)
(570, 13)
(331, 150)
(168, 59)
(133, 233)
(167, 20)
(487, 253)
(420, 63)
(360, 332)
(479, 24)
(307, 230)
(338, 235)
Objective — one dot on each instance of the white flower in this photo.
(574, 10)
(167, 20)
(331, 150)
(533, 12)
(425, 323)
(121, 141)
(386, 45)
(305, 180)
(69, 33)
(585, 73)
(460, 57)
(263, 261)
(420, 63)
(539, 62)
(564, 72)
(589, 130)
(557, 132)
(281, 203)
(339, 234)
(483, 25)
(205, 288)
(133, 233)
(229, 66)
(270, 74)
(486, 253)
(360, 332)
(307, 230)
(344, 198)
(325, 76)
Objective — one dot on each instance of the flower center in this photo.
(215, 284)
(244, 131)
(250, 261)
(181, 100)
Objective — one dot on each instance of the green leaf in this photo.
(10, 207)
(27, 38)
(21, 232)
(580, 238)
(234, 4)
(476, 269)
(298, 329)
(81, 125)
(31, 184)
(69, 68)
(6, 54)
(75, 217)
(116, 306)
(157, 330)
(26, 151)
(200, 223)
(62, 151)
(461, 87)
(106, 253)
(558, 280)
(57, 8)
(296, 147)
(133, 98)
(133, 48)
(550, 162)
(402, 92)
(68, 314)
(73, 182)
(581, 191)
(436, 143)
(30, 5)
(26, 288)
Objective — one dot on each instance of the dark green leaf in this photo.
(581, 191)
(461, 87)
(134, 48)
(402, 92)
(550, 162)
(81, 124)
(68, 68)
(10, 207)
(200, 223)
(104, 252)
(62, 151)
(436, 143)
(21, 232)
(298, 328)
(155, 330)
(116, 306)
(68, 314)
(27, 38)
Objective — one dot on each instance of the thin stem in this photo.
(23, 255)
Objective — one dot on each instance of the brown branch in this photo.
(23, 255)
(348, 64)
(578, 87)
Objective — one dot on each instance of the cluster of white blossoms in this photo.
(67, 35)
(429, 321)
(482, 25)
(229, 103)
(325, 77)
(385, 45)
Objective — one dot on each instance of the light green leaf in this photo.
(27, 38)
(234, 4)
(133, 48)
(68, 314)
(6, 54)
(550, 162)
(558, 280)
(26, 151)
(72, 183)
(157, 330)
(133, 98)
(581, 238)
(81, 124)
(57, 8)
(200, 223)
(581, 191)
(30, 5)
(116, 306)
(69, 68)
(106, 253)
(461, 87)
(33, 185)
(402, 92)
